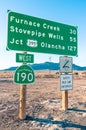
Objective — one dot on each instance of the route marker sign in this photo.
(27, 58)
(27, 33)
(65, 64)
(24, 75)
(66, 82)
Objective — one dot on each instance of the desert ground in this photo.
(43, 103)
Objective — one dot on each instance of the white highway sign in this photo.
(66, 82)
(66, 64)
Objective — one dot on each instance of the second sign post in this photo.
(66, 82)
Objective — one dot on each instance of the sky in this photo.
(71, 12)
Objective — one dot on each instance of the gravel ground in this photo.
(43, 106)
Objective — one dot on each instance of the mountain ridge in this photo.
(47, 66)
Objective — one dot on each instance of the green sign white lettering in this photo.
(24, 75)
(27, 58)
(27, 33)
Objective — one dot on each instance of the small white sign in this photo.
(65, 64)
(66, 82)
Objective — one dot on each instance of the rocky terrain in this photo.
(43, 103)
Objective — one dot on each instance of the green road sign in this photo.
(27, 58)
(27, 33)
(24, 75)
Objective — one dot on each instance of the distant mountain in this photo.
(48, 66)
(11, 69)
(79, 68)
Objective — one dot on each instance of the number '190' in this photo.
(23, 76)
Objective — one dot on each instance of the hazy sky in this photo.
(71, 12)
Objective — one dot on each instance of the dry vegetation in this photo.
(43, 104)
(45, 74)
